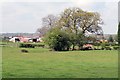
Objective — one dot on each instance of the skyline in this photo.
(26, 17)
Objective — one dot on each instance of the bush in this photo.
(39, 45)
(107, 44)
(103, 45)
(108, 48)
(114, 44)
(23, 45)
(116, 47)
(58, 40)
(25, 51)
(96, 44)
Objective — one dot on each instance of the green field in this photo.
(42, 63)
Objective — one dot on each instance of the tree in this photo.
(70, 19)
(75, 19)
(81, 40)
(48, 22)
(119, 34)
(42, 31)
(58, 40)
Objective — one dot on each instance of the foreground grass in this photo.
(42, 63)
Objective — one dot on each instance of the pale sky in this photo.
(25, 16)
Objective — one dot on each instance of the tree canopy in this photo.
(75, 19)
(70, 28)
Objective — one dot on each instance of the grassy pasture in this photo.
(42, 63)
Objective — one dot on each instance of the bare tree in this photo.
(42, 31)
(47, 23)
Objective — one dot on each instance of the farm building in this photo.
(15, 39)
(25, 39)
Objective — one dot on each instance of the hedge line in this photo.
(28, 45)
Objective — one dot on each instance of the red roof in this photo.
(87, 45)
(23, 39)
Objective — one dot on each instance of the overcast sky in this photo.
(119, 11)
(26, 16)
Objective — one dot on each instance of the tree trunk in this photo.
(67, 48)
(83, 31)
(73, 47)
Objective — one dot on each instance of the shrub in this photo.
(116, 47)
(58, 40)
(39, 45)
(114, 44)
(23, 45)
(107, 44)
(96, 44)
(103, 45)
(25, 51)
(108, 48)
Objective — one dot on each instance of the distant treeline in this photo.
(38, 34)
(5, 36)
(18, 34)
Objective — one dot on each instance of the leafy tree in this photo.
(70, 28)
(58, 40)
(119, 34)
(79, 22)
(78, 40)
(73, 40)
(81, 40)
(75, 19)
